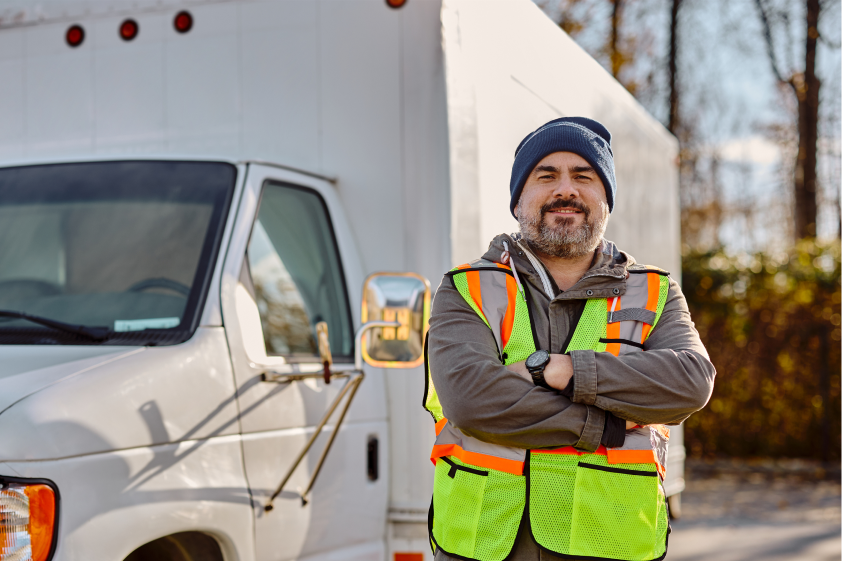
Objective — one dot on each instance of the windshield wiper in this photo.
(95, 333)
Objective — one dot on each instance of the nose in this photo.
(565, 188)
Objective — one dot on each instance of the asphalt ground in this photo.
(733, 511)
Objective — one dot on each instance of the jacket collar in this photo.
(607, 271)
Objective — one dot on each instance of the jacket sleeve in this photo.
(667, 383)
(484, 399)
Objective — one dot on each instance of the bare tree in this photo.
(572, 15)
(804, 84)
(614, 41)
(618, 45)
(673, 122)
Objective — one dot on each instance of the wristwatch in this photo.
(535, 363)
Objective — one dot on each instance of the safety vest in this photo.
(608, 504)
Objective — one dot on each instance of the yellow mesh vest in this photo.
(579, 504)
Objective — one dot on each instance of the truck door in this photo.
(290, 265)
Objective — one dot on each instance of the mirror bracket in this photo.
(358, 339)
(281, 378)
(355, 378)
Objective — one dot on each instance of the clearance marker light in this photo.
(128, 30)
(395, 3)
(183, 22)
(75, 35)
(28, 515)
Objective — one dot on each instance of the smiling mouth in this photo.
(565, 211)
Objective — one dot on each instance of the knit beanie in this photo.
(579, 135)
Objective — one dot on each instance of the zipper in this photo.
(618, 470)
(542, 273)
(454, 467)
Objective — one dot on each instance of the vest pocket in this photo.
(583, 506)
(552, 478)
(476, 511)
(617, 512)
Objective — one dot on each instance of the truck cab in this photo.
(194, 280)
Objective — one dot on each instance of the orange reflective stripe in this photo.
(613, 456)
(508, 322)
(475, 289)
(465, 266)
(637, 457)
(613, 329)
(653, 288)
(474, 458)
(440, 425)
(631, 457)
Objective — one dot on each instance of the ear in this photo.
(517, 209)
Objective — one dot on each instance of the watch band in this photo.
(538, 378)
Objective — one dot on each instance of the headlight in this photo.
(27, 519)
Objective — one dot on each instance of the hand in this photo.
(557, 373)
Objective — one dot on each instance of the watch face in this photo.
(537, 359)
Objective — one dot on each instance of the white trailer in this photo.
(210, 188)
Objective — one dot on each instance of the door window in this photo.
(297, 274)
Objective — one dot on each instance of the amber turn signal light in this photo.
(29, 519)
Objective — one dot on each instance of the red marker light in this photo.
(395, 3)
(128, 30)
(75, 35)
(183, 22)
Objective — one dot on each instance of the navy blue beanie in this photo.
(579, 135)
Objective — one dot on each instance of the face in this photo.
(563, 210)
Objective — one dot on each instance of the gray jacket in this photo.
(484, 399)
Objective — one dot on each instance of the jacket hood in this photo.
(608, 267)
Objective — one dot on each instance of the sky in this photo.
(729, 88)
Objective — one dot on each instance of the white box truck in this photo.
(192, 195)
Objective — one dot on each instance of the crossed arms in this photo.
(667, 383)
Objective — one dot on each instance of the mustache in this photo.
(559, 204)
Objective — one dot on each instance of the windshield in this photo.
(124, 245)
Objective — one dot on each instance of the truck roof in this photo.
(22, 13)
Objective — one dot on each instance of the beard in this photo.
(559, 237)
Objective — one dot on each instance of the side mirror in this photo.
(401, 298)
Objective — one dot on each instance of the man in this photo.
(553, 363)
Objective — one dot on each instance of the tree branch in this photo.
(828, 43)
(825, 5)
(770, 47)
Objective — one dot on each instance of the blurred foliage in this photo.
(771, 326)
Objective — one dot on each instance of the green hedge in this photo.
(771, 326)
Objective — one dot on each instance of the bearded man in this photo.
(554, 363)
